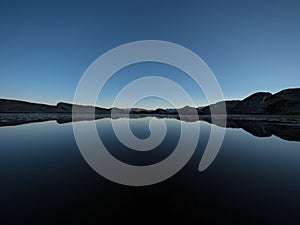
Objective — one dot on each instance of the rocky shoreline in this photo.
(262, 114)
(287, 128)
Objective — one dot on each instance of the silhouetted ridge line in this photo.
(285, 102)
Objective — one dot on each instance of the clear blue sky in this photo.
(45, 46)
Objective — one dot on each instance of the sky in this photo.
(46, 46)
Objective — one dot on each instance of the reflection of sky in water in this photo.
(43, 171)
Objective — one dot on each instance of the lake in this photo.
(44, 178)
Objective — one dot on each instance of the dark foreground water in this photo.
(44, 179)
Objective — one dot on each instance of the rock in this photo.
(254, 104)
(159, 111)
(187, 110)
(67, 108)
(218, 107)
(16, 106)
(264, 103)
(285, 102)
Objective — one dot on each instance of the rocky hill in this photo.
(286, 102)
(16, 106)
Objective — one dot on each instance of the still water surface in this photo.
(44, 178)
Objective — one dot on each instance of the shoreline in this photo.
(284, 127)
(10, 119)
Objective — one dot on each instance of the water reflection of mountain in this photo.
(287, 128)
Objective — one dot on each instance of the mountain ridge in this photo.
(284, 102)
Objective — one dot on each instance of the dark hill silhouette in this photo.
(286, 102)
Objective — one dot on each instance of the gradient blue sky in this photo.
(45, 47)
